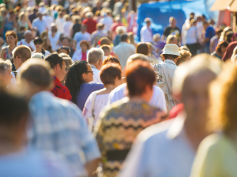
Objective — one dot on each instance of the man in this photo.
(59, 22)
(172, 29)
(82, 35)
(59, 67)
(176, 141)
(107, 20)
(99, 33)
(116, 24)
(66, 43)
(33, 15)
(95, 57)
(209, 33)
(28, 40)
(107, 50)
(48, 19)
(124, 50)
(97, 7)
(157, 99)
(57, 125)
(146, 33)
(40, 24)
(90, 23)
(15, 158)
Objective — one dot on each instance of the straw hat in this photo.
(171, 49)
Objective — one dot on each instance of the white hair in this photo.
(28, 31)
(4, 66)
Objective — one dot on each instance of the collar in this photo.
(169, 61)
(56, 81)
(93, 66)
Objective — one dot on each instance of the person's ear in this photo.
(84, 76)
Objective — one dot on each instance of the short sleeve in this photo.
(87, 110)
(166, 32)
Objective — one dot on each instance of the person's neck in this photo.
(95, 66)
(109, 87)
(12, 46)
(27, 41)
(9, 146)
(53, 34)
(83, 51)
(138, 99)
(38, 50)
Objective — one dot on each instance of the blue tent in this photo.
(160, 12)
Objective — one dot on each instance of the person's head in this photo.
(89, 15)
(64, 49)
(172, 22)
(104, 41)
(83, 28)
(80, 72)
(148, 22)
(212, 22)
(67, 59)
(136, 57)
(119, 30)
(14, 119)
(107, 50)
(205, 24)
(44, 34)
(22, 16)
(28, 36)
(60, 14)
(172, 39)
(140, 78)
(223, 96)
(171, 52)
(20, 54)
(124, 38)
(11, 14)
(54, 28)
(95, 56)
(100, 26)
(142, 48)
(38, 42)
(190, 86)
(58, 65)
(84, 45)
(193, 22)
(218, 32)
(98, 4)
(199, 18)
(117, 19)
(111, 59)
(67, 17)
(221, 47)
(156, 37)
(40, 15)
(229, 36)
(11, 37)
(111, 74)
(35, 10)
(46, 43)
(5, 72)
(185, 56)
(184, 48)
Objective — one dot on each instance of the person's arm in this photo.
(29, 24)
(3, 54)
(211, 46)
(92, 166)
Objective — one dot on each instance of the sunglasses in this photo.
(38, 43)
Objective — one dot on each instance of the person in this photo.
(67, 59)
(209, 33)
(119, 31)
(172, 29)
(59, 67)
(146, 32)
(38, 42)
(172, 39)
(33, 15)
(5, 73)
(76, 26)
(90, 23)
(65, 131)
(107, 20)
(215, 40)
(158, 44)
(157, 99)
(47, 45)
(124, 50)
(54, 37)
(9, 24)
(23, 21)
(142, 48)
(40, 24)
(27, 41)
(64, 49)
(131, 39)
(59, 21)
(67, 26)
(220, 50)
(110, 75)
(82, 53)
(82, 35)
(107, 51)
(78, 80)
(176, 140)
(97, 7)
(48, 19)
(219, 149)
(184, 56)
(16, 159)
(11, 38)
(99, 33)
(117, 23)
(110, 60)
(133, 112)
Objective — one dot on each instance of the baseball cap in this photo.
(53, 59)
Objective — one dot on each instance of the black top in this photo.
(32, 17)
(76, 28)
(174, 31)
(95, 9)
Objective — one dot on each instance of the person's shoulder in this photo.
(157, 90)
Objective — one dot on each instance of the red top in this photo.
(176, 110)
(91, 25)
(115, 25)
(83, 56)
(229, 51)
(60, 90)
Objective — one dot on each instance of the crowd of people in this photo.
(81, 97)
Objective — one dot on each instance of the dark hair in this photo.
(38, 40)
(13, 109)
(142, 48)
(65, 38)
(105, 48)
(111, 59)
(86, 43)
(54, 59)
(110, 72)
(104, 41)
(74, 78)
(65, 48)
(169, 56)
(123, 37)
(139, 74)
(221, 44)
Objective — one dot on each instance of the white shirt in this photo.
(45, 55)
(96, 76)
(59, 23)
(157, 99)
(200, 29)
(146, 35)
(79, 36)
(192, 35)
(77, 55)
(67, 27)
(107, 21)
(161, 150)
(41, 25)
(49, 20)
(54, 40)
(23, 42)
(124, 51)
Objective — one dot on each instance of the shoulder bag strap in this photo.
(93, 105)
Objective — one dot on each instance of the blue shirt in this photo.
(41, 25)
(210, 32)
(57, 126)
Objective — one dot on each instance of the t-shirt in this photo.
(83, 56)
(173, 31)
(41, 25)
(210, 32)
(91, 25)
(60, 90)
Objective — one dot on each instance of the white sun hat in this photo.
(171, 49)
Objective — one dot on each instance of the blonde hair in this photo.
(233, 54)
(170, 38)
(223, 34)
(4, 66)
(67, 17)
(184, 55)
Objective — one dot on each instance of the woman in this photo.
(217, 154)
(119, 30)
(220, 50)
(65, 50)
(38, 42)
(131, 39)
(118, 126)
(142, 48)
(77, 81)
(5, 73)
(110, 76)
(185, 56)
(9, 23)
(172, 39)
(47, 45)
(11, 38)
(23, 21)
(77, 26)
(67, 26)
(81, 54)
(192, 40)
(54, 37)
(111, 59)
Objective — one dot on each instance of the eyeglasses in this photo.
(90, 72)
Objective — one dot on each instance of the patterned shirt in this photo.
(118, 127)
(57, 126)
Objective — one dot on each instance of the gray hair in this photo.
(136, 56)
(94, 55)
(4, 66)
